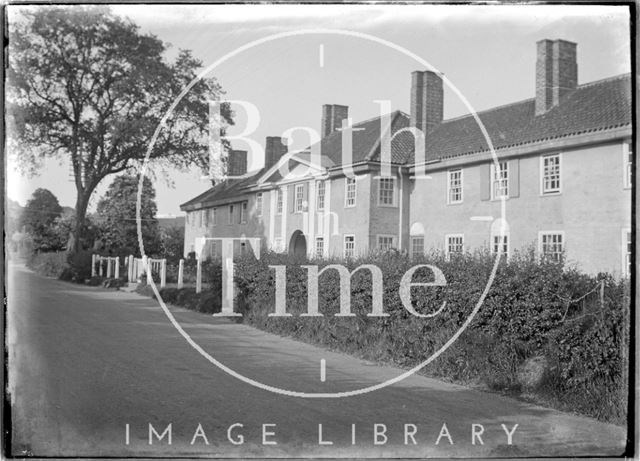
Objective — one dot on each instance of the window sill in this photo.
(550, 194)
(455, 203)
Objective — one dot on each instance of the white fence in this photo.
(111, 263)
(136, 267)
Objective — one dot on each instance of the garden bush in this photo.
(52, 264)
(533, 309)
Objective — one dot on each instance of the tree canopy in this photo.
(87, 86)
(116, 212)
(39, 218)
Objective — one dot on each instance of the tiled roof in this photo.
(594, 106)
(226, 189)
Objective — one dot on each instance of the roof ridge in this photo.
(523, 101)
(604, 80)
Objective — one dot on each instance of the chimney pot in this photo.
(332, 117)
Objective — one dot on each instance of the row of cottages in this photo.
(561, 182)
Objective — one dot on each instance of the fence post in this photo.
(198, 275)
(99, 258)
(146, 266)
(130, 268)
(93, 266)
(117, 269)
(163, 273)
(108, 267)
(180, 273)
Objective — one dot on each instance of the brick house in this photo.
(563, 176)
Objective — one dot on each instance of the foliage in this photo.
(80, 266)
(87, 86)
(39, 217)
(532, 309)
(172, 243)
(118, 223)
(48, 264)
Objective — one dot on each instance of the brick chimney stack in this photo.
(332, 117)
(556, 73)
(237, 163)
(427, 99)
(275, 148)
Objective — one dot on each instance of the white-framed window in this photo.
(551, 245)
(551, 174)
(386, 242)
(277, 244)
(627, 151)
(199, 218)
(230, 215)
(349, 246)
(319, 247)
(626, 252)
(386, 189)
(214, 216)
(259, 204)
(205, 218)
(454, 244)
(299, 198)
(500, 180)
(320, 194)
(500, 244)
(279, 201)
(350, 192)
(454, 186)
(417, 246)
(243, 212)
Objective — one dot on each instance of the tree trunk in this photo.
(82, 201)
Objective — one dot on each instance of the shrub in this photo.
(533, 309)
(48, 264)
(80, 266)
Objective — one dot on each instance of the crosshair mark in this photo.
(323, 370)
(321, 55)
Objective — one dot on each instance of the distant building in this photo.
(564, 168)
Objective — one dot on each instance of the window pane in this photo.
(299, 198)
(455, 186)
(319, 247)
(501, 180)
(417, 246)
(385, 193)
(551, 174)
(349, 246)
(320, 195)
(350, 192)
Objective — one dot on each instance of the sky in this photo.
(486, 52)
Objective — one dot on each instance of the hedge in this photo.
(534, 309)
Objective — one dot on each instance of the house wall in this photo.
(255, 226)
(592, 209)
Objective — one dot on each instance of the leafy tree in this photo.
(88, 86)
(117, 215)
(172, 243)
(39, 217)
